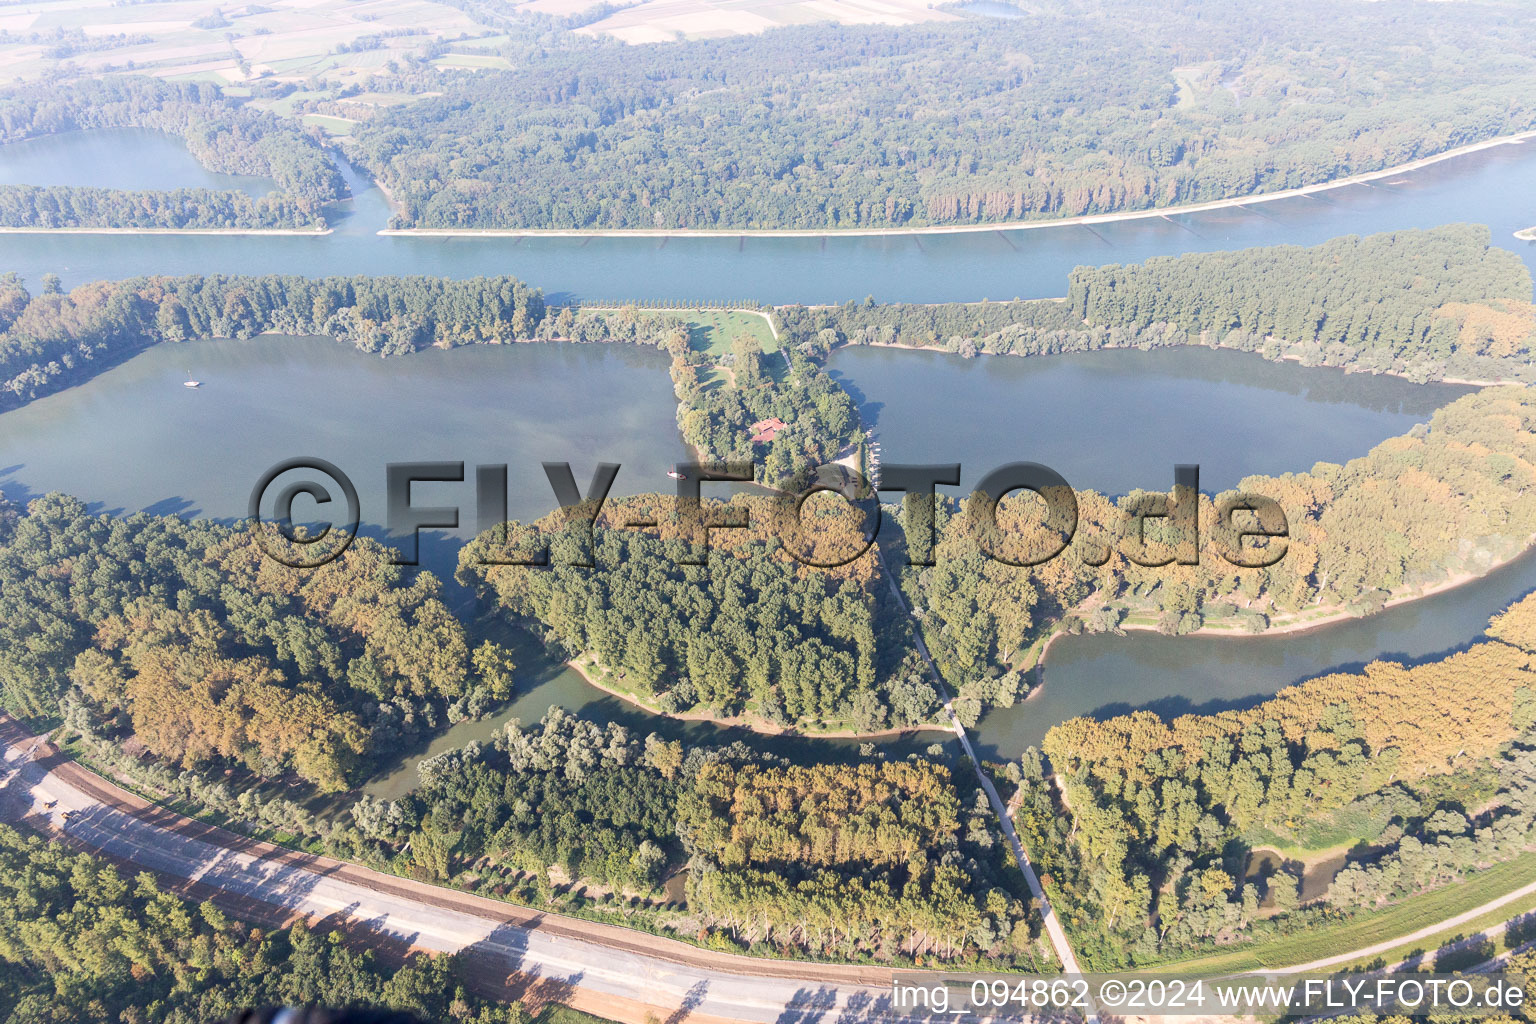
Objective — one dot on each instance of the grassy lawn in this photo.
(333, 125)
(1400, 919)
(473, 61)
(554, 1013)
(713, 330)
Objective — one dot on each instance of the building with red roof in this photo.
(764, 431)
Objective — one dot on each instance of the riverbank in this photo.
(753, 723)
(1331, 615)
(1086, 220)
(302, 232)
(1462, 381)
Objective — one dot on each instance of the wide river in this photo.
(132, 438)
(1490, 187)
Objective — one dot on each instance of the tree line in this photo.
(47, 340)
(1079, 109)
(1423, 304)
(71, 206)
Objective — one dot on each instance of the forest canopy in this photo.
(1422, 304)
(181, 634)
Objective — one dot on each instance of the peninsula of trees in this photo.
(1445, 502)
(1422, 304)
(1108, 106)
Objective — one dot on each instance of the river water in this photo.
(133, 438)
(1491, 187)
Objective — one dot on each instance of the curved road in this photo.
(610, 971)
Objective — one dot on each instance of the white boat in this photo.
(191, 383)
(675, 475)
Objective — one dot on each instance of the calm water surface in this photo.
(132, 158)
(134, 438)
(1116, 421)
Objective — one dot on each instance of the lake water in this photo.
(132, 158)
(1117, 420)
(1491, 187)
(134, 438)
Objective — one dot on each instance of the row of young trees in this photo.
(48, 340)
(874, 858)
(182, 634)
(223, 135)
(80, 942)
(1149, 858)
(1077, 109)
(859, 859)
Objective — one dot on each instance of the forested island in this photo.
(221, 134)
(1114, 106)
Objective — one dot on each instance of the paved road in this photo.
(614, 972)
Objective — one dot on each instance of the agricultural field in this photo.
(661, 21)
(282, 40)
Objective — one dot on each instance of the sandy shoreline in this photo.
(758, 725)
(1086, 220)
(1451, 583)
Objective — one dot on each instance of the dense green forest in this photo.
(184, 636)
(1450, 498)
(68, 206)
(1084, 107)
(81, 943)
(881, 857)
(48, 340)
(221, 134)
(1429, 767)
(910, 860)
(1426, 305)
(1398, 302)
